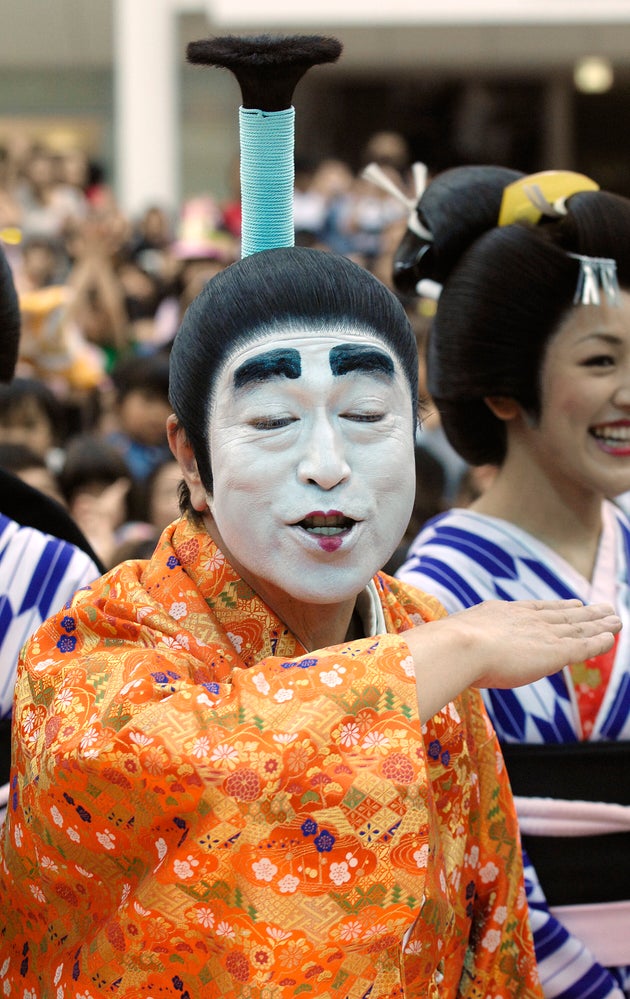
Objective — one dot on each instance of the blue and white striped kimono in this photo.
(38, 573)
(463, 558)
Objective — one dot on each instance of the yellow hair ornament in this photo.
(544, 193)
(11, 235)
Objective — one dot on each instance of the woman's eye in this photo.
(599, 361)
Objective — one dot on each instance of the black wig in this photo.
(315, 291)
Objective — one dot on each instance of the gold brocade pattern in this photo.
(200, 808)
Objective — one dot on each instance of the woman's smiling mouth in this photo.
(613, 437)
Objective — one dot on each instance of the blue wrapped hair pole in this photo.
(267, 70)
(267, 179)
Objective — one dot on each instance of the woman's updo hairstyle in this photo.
(505, 291)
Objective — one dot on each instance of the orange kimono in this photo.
(201, 808)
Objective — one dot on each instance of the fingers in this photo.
(521, 641)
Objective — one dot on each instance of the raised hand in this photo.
(505, 644)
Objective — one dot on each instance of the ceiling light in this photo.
(593, 75)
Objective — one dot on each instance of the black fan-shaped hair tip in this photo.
(267, 67)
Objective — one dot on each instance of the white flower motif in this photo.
(206, 918)
(236, 640)
(57, 975)
(140, 909)
(183, 640)
(331, 678)
(60, 992)
(83, 872)
(160, 846)
(214, 562)
(37, 893)
(184, 868)
(351, 931)
(421, 856)
(106, 839)
(474, 857)
(350, 734)
(170, 642)
(140, 739)
(73, 834)
(264, 869)
(64, 698)
(408, 666)
(125, 893)
(277, 934)
(491, 940)
(283, 695)
(201, 747)
(488, 872)
(17, 835)
(5, 967)
(225, 929)
(223, 753)
(285, 738)
(339, 873)
(415, 947)
(378, 930)
(178, 610)
(56, 816)
(375, 740)
(288, 884)
(500, 914)
(30, 722)
(261, 683)
(47, 863)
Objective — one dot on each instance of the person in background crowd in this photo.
(31, 414)
(31, 468)
(140, 412)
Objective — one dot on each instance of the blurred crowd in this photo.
(101, 296)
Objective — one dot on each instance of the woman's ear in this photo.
(503, 407)
(184, 456)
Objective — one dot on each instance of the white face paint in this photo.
(312, 450)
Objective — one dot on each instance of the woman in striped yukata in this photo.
(529, 367)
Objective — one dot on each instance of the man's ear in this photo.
(503, 407)
(184, 456)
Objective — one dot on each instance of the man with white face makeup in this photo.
(253, 765)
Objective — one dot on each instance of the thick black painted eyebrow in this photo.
(270, 364)
(350, 357)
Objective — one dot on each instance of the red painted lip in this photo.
(328, 543)
(324, 513)
(620, 449)
(623, 451)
